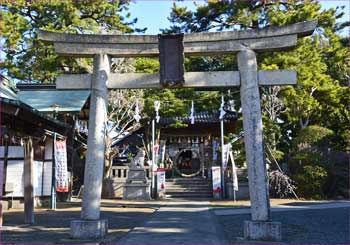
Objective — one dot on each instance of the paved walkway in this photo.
(179, 223)
(302, 223)
(285, 208)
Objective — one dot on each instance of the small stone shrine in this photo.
(137, 186)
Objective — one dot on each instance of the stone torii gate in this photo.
(246, 43)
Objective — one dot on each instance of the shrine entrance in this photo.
(171, 50)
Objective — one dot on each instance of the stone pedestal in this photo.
(262, 230)
(88, 229)
(136, 174)
(136, 186)
(136, 191)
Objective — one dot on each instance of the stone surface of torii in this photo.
(246, 43)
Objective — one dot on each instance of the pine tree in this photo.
(28, 59)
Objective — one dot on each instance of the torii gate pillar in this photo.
(90, 225)
(261, 227)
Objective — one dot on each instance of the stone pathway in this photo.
(179, 223)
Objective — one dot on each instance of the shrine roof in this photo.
(200, 117)
(23, 114)
(67, 100)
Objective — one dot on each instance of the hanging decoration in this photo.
(222, 111)
(191, 117)
(137, 116)
(81, 126)
(156, 107)
(232, 106)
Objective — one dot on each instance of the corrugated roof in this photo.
(9, 96)
(67, 100)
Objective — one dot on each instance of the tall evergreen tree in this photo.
(28, 59)
(322, 61)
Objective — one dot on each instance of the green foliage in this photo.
(146, 65)
(321, 61)
(312, 135)
(300, 159)
(29, 59)
(322, 96)
(310, 181)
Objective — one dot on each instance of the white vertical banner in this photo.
(216, 175)
(162, 151)
(215, 154)
(61, 172)
(226, 150)
(234, 173)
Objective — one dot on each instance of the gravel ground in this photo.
(327, 226)
(52, 227)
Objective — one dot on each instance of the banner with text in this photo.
(61, 172)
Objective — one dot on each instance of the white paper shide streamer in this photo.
(156, 107)
(191, 117)
(137, 116)
(222, 111)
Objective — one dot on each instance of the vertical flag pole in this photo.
(222, 159)
(53, 184)
(222, 114)
(153, 157)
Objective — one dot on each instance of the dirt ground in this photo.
(52, 227)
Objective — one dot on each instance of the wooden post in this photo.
(28, 181)
(3, 168)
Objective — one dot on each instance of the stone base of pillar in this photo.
(88, 229)
(262, 230)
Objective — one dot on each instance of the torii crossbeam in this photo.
(246, 43)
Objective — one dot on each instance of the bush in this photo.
(310, 181)
(301, 159)
(312, 136)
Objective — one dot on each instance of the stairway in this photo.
(185, 188)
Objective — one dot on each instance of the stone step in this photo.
(195, 187)
(188, 187)
(188, 184)
(186, 181)
(183, 195)
(186, 190)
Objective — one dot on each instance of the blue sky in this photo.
(153, 13)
